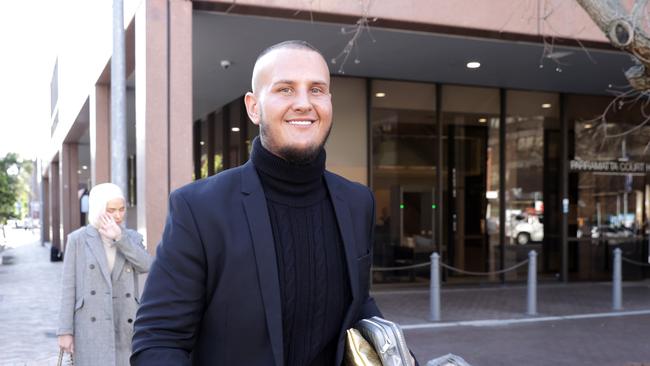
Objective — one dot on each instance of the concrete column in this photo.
(152, 119)
(180, 92)
(55, 205)
(45, 211)
(68, 166)
(99, 129)
(163, 53)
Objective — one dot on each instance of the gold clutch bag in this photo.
(358, 352)
(377, 341)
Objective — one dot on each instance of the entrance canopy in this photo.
(392, 54)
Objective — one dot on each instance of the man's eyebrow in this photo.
(317, 82)
(283, 82)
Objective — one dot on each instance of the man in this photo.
(267, 263)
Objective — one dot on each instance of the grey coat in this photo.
(97, 306)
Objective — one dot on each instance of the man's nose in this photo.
(302, 101)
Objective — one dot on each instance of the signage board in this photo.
(615, 167)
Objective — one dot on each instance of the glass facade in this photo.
(475, 174)
(532, 180)
(403, 140)
(611, 201)
(222, 139)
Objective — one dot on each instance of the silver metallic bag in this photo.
(387, 339)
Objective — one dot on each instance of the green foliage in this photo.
(14, 186)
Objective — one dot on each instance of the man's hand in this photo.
(109, 228)
(66, 343)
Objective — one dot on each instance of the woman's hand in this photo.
(109, 228)
(66, 343)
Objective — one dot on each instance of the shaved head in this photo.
(264, 58)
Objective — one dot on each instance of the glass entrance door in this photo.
(467, 147)
(471, 181)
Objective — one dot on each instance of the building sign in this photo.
(616, 167)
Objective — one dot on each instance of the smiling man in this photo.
(267, 263)
(291, 101)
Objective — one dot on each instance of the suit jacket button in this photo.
(128, 294)
(92, 319)
(92, 292)
(130, 320)
(92, 266)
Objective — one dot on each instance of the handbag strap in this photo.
(59, 362)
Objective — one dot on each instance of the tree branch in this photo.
(623, 32)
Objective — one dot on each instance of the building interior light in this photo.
(482, 120)
(78, 171)
(546, 105)
(473, 65)
(588, 126)
(235, 129)
(380, 95)
(202, 143)
(84, 167)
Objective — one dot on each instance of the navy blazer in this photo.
(213, 295)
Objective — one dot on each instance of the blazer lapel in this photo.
(97, 248)
(344, 219)
(259, 224)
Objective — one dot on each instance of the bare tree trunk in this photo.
(624, 32)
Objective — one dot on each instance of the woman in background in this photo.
(100, 293)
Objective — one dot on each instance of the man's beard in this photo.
(291, 154)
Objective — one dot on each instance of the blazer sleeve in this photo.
(131, 246)
(173, 300)
(68, 295)
(369, 307)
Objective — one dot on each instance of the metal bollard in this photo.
(434, 293)
(617, 279)
(532, 283)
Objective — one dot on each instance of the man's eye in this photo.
(316, 90)
(285, 90)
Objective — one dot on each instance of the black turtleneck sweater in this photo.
(315, 291)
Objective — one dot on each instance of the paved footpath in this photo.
(486, 325)
(615, 341)
(29, 295)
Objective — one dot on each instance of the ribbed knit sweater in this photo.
(314, 286)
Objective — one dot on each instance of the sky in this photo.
(28, 44)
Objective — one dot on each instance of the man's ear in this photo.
(252, 107)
